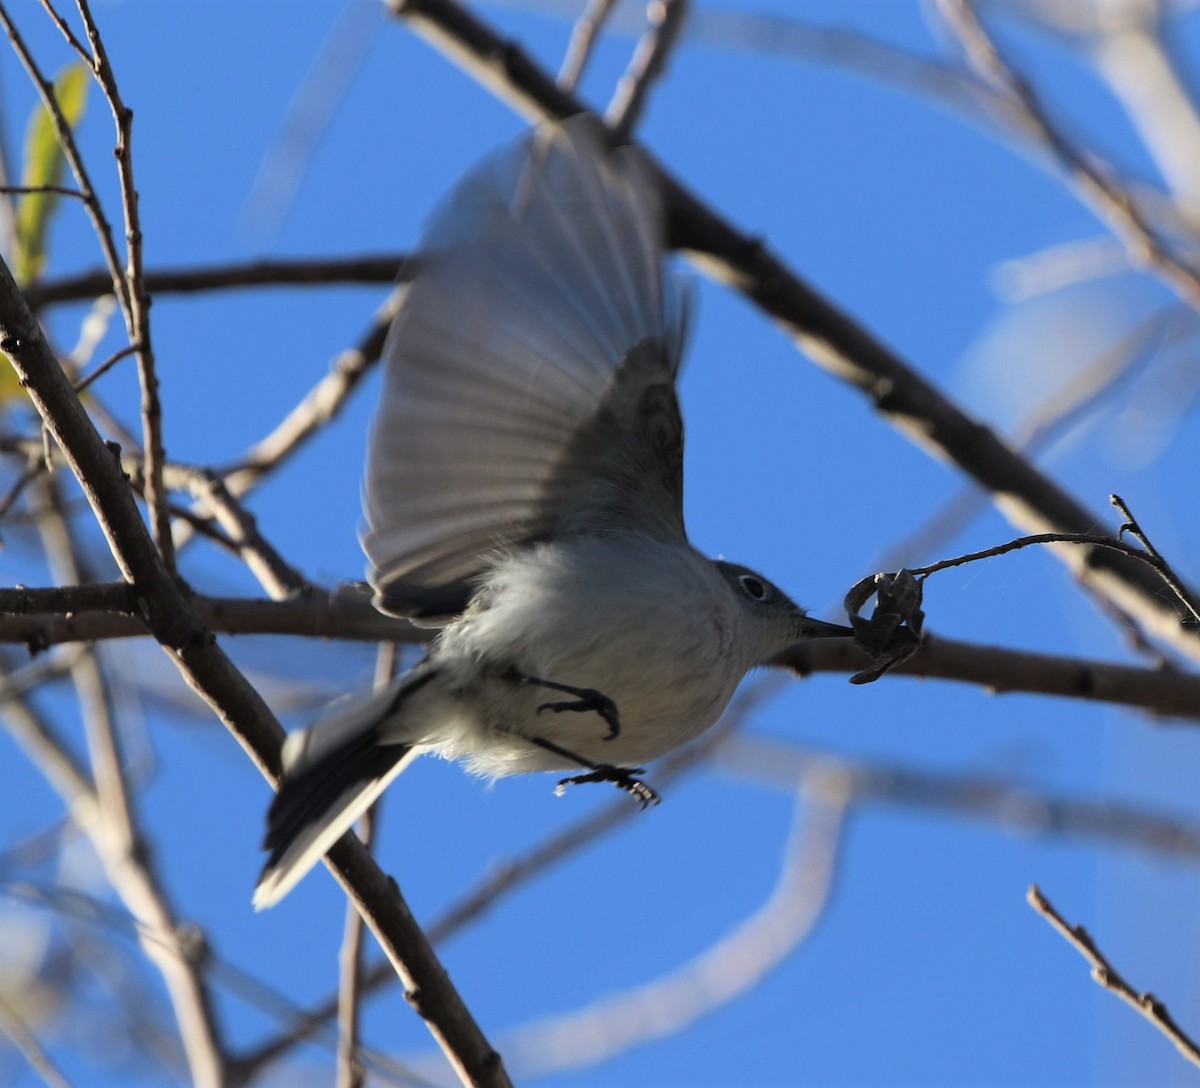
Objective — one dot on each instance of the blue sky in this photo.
(926, 966)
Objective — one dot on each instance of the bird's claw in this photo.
(590, 699)
(621, 777)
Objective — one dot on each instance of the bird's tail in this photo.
(332, 772)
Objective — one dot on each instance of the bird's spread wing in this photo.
(530, 376)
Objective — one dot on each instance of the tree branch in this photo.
(366, 270)
(168, 615)
(42, 617)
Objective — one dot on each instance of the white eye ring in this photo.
(752, 587)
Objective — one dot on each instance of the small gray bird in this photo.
(524, 492)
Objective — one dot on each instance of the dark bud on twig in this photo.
(894, 631)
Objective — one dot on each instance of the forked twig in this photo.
(1107, 976)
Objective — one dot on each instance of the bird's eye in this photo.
(753, 586)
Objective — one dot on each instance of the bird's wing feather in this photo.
(530, 376)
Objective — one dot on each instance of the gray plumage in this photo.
(524, 491)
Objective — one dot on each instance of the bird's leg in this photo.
(585, 699)
(622, 777)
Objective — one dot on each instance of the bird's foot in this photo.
(590, 699)
(585, 699)
(621, 777)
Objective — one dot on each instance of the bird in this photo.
(524, 494)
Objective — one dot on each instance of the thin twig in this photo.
(648, 64)
(1147, 554)
(1107, 976)
(59, 190)
(1155, 559)
(105, 367)
(274, 573)
(583, 40)
(70, 149)
(298, 272)
(64, 28)
(1088, 539)
(136, 300)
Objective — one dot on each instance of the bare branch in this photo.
(274, 574)
(135, 300)
(41, 617)
(117, 837)
(350, 1072)
(59, 190)
(1000, 802)
(1108, 977)
(300, 272)
(105, 367)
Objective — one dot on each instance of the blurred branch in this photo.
(298, 272)
(583, 40)
(1001, 802)
(1095, 182)
(1139, 68)
(648, 64)
(1025, 495)
(718, 975)
(314, 103)
(127, 872)
(350, 1073)
(30, 1049)
(169, 616)
(1110, 979)
(118, 838)
(318, 407)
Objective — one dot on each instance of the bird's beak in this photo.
(820, 629)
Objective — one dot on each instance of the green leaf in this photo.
(43, 165)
